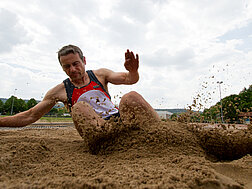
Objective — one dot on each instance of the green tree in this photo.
(62, 110)
(174, 117)
(15, 104)
(20, 105)
(53, 111)
(246, 99)
(232, 106)
(212, 114)
(9, 103)
(31, 103)
(1, 106)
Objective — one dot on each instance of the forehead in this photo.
(70, 58)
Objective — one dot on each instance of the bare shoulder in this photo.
(102, 72)
(57, 93)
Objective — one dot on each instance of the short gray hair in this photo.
(68, 49)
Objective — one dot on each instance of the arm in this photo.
(33, 114)
(131, 65)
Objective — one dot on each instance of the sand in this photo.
(167, 155)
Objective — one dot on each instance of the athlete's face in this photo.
(73, 65)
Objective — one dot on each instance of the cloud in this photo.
(162, 58)
(27, 83)
(241, 34)
(12, 32)
(138, 11)
(178, 42)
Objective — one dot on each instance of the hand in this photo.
(131, 63)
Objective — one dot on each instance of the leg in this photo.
(135, 110)
(90, 126)
(85, 119)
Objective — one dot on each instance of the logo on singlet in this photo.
(96, 86)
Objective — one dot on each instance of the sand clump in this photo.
(224, 143)
(163, 155)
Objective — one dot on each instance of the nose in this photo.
(72, 68)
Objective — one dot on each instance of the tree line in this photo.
(231, 106)
(14, 105)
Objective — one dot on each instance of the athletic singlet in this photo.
(93, 93)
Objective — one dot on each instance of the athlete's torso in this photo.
(93, 93)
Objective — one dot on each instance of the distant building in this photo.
(246, 117)
(59, 105)
(164, 114)
(67, 115)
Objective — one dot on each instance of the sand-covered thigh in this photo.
(165, 155)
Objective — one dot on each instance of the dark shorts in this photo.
(116, 115)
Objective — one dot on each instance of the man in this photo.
(85, 93)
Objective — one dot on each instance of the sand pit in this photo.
(167, 155)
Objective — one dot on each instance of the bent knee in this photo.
(131, 97)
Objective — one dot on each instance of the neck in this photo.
(81, 81)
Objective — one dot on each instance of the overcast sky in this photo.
(184, 46)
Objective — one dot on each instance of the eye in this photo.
(66, 66)
(76, 63)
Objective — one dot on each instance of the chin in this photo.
(76, 77)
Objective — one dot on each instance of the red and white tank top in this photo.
(92, 93)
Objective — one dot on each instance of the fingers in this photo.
(131, 61)
(130, 55)
(137, 60)
(127, 54)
